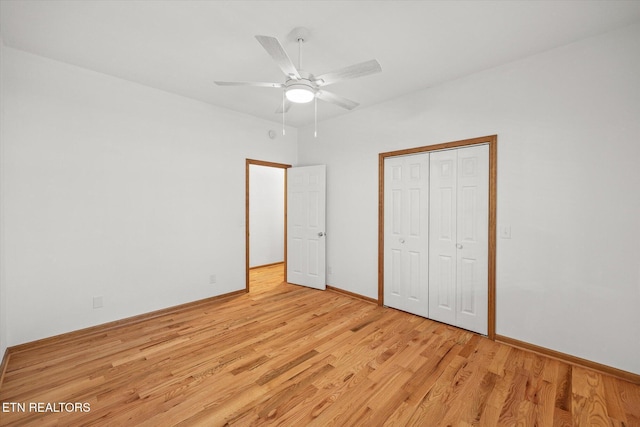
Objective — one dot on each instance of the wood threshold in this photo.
(574, 360)
(352, 294)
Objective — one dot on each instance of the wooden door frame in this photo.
(492, 141)
(248, 163)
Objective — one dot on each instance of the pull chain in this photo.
(283, 113)
(315, 117)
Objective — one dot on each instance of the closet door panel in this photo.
(406, 233)
(472, 238)
(442, 236)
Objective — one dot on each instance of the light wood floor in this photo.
(292, 356)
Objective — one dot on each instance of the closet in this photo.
(436, 235)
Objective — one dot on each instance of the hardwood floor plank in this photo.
(292, 356)
(613, 398)
(510, 413)
(588, 391)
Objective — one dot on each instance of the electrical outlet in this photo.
(212, 279)
(97, 302)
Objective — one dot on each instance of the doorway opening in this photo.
(275, 192)
(491, 141)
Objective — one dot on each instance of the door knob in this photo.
(458, 245)
(320, 234)
(401, 240)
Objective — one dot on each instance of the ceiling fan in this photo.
(300, 86)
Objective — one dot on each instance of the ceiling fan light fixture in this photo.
(302, 87)
(300, 93)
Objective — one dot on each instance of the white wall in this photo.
(114, 189)
(3, 299)
(117, 190)
(266, 215)
(568, 185)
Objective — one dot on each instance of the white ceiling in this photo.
(183, 46)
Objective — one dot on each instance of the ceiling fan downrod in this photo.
(301, 35)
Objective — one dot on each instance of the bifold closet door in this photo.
(406, 238)
(458, 237)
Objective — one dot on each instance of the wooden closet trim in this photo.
(492, 141)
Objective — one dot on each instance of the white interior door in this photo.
(459, 215)
(406, 233)
(306, 241)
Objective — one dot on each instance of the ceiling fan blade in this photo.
(277, 52)
(258, 84)
(336, 99)
(351, 72)
(287, 105)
